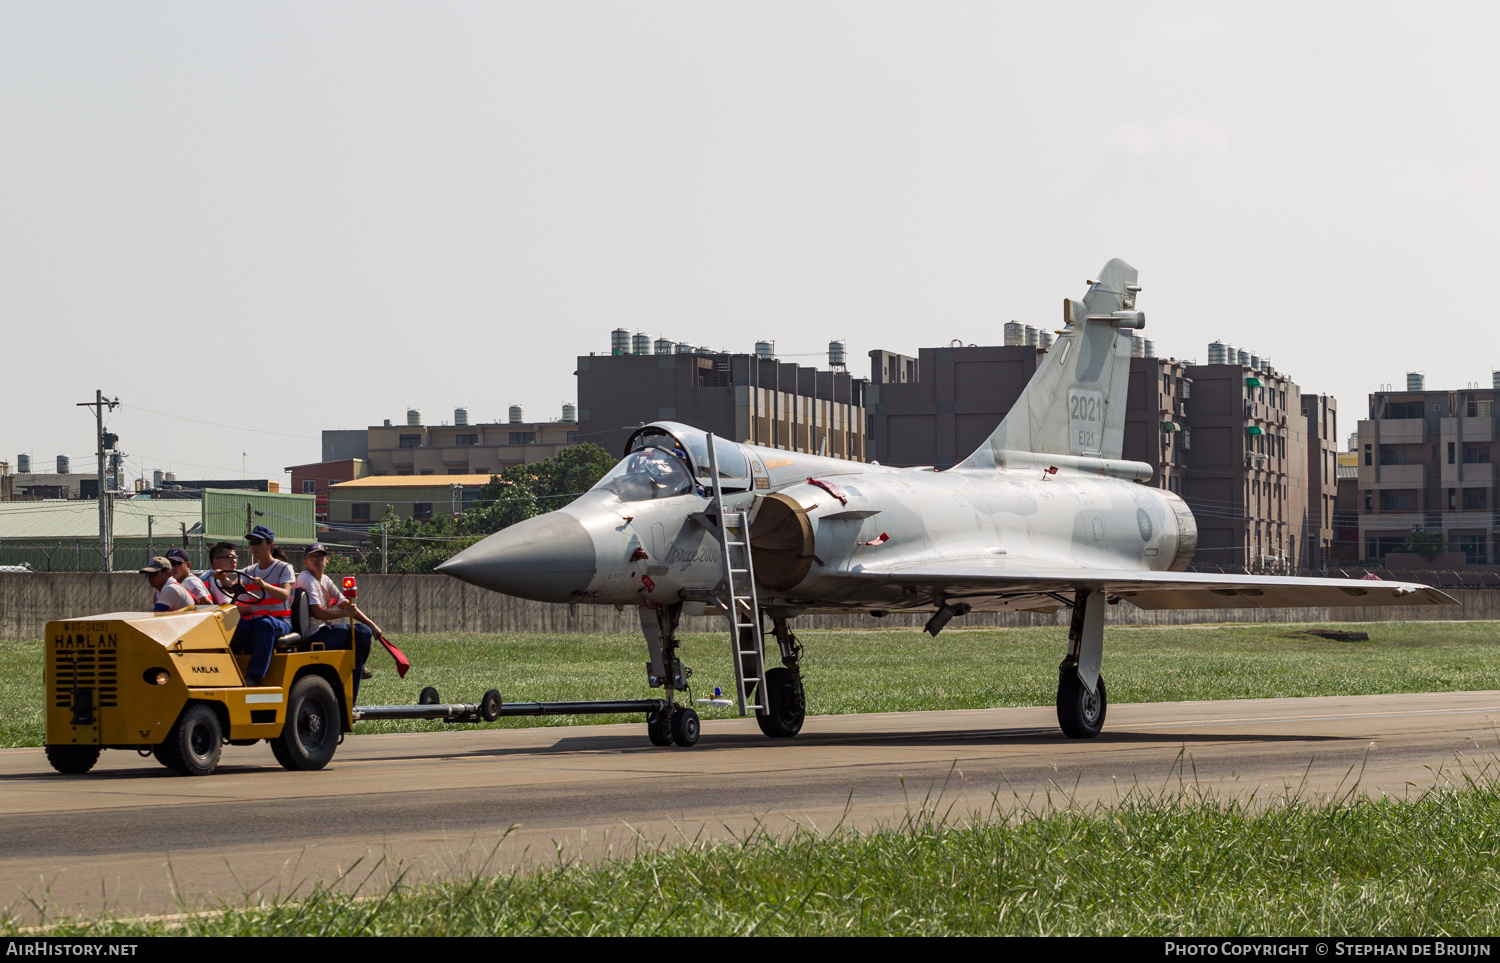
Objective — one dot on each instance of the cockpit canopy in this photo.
(666, 458)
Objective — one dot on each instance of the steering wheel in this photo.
(238, 589)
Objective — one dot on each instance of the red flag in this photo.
(402, 662)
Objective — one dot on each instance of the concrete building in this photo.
(462, 448)
(344, 444)
(941, 405)
(364, 501)
(1427, 463)
(1321, 414)
(1246, 478)
(316, 478)
(1156, 422)
(1346, 547)
(5, 480)
(748, 398)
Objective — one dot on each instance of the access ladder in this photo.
(739, 600)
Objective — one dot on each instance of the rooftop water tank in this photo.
(460, 416)
(1217, 353)
(1030, 336)
(1243, 358)
(663, 346)
(1015, 334)
(516, 417)
(1150, 348)
(641, 343)
(413, 418)
(1044, 340)
(570, 413)
(1137, 345)
(1495, 380)
(62, 464)
(23, 460)
(170, 478)
(619, 341)
(1414, 381)
(838, 354)
(156, 478)
(765, 350)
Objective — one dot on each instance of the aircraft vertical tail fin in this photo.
(1075, 403)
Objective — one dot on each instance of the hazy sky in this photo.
(295, 217)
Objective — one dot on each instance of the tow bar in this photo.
(492, 707)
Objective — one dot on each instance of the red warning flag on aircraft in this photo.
(402, 662)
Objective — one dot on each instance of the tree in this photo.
(1429, 545)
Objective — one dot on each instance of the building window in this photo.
(1367, 455)
(1475, 408)
(465, 441)
(572, 437)
(1390, 455)
(360, 512)
(523, 438)
(1473, 548)
(421, 511)
(1451, 446)
(406, 472)
(1403, 409)
(1452, 498)
(1474, 498)
(309, 487)
(1394, 501)
(1476, 454)
(425, 471)
(458, 471)
(411, 441)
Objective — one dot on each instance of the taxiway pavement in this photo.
(131, 838)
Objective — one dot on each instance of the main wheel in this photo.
(311, 732)
(785, 705)
(193, 745)
(1079, 712)
(659, 728)
(73, 760)
(685, 726)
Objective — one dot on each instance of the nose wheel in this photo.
(678, 726)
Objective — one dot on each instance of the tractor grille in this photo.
(85, 670)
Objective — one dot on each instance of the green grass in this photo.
(1147, 865)
(887, 670)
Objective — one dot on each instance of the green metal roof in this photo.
(79, 518)
(291, 517)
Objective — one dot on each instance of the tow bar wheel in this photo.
(311, 733)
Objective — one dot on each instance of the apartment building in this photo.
(1427, 463)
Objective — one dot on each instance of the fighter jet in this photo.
(1045, 515)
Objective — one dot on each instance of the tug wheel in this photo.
(659, 728)
(312, 730)
(193, 745)
(72, 760)
(1080, 713)
(685, 726)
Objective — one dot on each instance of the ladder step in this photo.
(739, 571)
(734, 543)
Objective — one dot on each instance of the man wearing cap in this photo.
(169, 595)
(263, 622)
(325, 603)
(196, 590)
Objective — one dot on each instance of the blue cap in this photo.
(261, 531)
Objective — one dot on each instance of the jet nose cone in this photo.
(549, 558)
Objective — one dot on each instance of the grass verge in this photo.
(888, 670)
(1147, 865)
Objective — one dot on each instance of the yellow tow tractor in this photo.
(168, 685)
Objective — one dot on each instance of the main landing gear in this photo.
(1081, 699)
(786, 704)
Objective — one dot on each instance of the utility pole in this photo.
(385, 549)
(106, 503)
